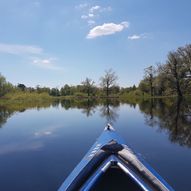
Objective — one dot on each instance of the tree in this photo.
(175, 71)
(149, 76)
(22, 87)
(5, 86)
(88, 85)
(42, 89)
(2, 85)
(115, 89)
(66, 90)
(185, 55)
(144, 86)
(54, 92)
(108, 81)
(134, 87)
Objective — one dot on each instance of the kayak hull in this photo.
(110, 150)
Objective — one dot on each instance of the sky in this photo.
(52, 43)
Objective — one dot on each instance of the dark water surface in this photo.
(40, 146)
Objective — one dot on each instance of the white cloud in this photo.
(47, 131)
(29, 52)
(91, 15)
(84, 17)
(91, 22)
(46, 63)
(137, 37)
(107, 29)
(20, 146)
(94, 8)
(43, 133)
(134, 37)
(17, 49)
(90, 12)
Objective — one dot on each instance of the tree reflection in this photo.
(109, 110)
(172, 115)
(108, 107)
(89, 108)
(8, 110)
(87, 105)
(66, 104)
(4, 115)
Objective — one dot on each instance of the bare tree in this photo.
(88, 85)
(108, 80)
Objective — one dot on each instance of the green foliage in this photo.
(25, 97)
(65, 91)
(88, 86)
(144, 86)
(149, 78)
(5, 86)
(22, 87)
(42, 89)
(54, 92)
(170, 78)
(80, 94)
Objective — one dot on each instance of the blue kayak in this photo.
(110, 152)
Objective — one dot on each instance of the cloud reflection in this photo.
(31, 142)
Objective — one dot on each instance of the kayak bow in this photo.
(110, 151)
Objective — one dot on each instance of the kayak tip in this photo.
(109, 127)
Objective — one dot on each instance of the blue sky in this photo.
(51, 43)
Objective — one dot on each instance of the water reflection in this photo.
(109, 110)
(86, 104)
(7, 111)
(89, 108)
(4, 115)
(108, 107)
(170, 115)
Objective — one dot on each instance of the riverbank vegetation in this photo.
(172, 78)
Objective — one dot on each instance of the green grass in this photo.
(33, 98)
(23, 100)
(25, 97)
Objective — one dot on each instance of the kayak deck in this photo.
(111, 152)
(115, 177)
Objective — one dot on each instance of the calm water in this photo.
(40, 146)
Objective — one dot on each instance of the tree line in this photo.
(164, 79)
(107, 87)
(170, 78)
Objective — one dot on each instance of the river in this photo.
(40, 145)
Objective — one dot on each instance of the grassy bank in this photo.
(33, 98)
(25, 97)
(22, 100)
